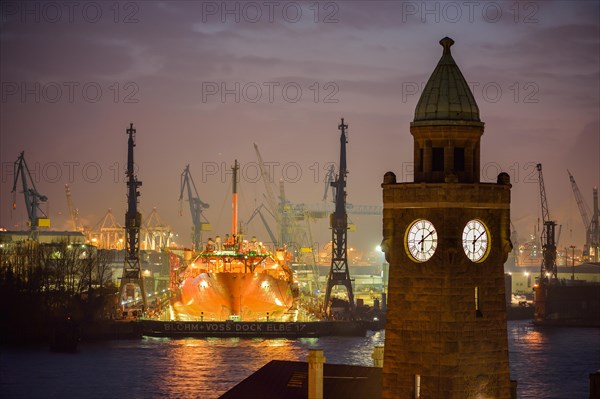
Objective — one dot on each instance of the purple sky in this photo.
(533, 67)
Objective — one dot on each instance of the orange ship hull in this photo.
(217, 296)
(237, 282)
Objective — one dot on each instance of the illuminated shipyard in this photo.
(230, 278)
(457, 267)
(243, 278)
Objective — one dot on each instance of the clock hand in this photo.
(477, 238)
(423, 239)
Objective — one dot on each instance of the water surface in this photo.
(549, 363)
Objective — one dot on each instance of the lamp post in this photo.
(573, 260)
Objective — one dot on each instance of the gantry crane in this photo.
(339, 274)
(156, 235)
(108, 233)
(132, 270)
(32, 197)
(197, 206)
(548, 239)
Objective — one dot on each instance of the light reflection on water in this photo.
(161, 367)
(548, 364)
(552, 362)
(207, 368)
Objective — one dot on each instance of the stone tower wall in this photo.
(433, 329)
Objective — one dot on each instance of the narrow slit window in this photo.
(437, 159)
(477, 303)
(417, 386)
(459, 159)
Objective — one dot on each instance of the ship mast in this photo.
(234, 201)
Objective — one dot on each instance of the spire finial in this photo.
(446, 44)
(342, 126)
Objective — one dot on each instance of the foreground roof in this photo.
(286, 379)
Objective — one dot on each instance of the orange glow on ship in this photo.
(236, 279)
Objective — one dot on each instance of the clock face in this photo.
(475, 240)
(421, 240)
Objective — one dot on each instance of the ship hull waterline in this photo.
(222, 329)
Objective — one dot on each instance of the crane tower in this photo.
(583, 210)
(197, 206)
(32, 197)
(132, 277)
(595, 230)
(339, 273)
(548, 238)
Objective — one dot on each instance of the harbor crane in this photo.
(283, 212)
(590, 250)
(595, 230)
(350, 208)
(339, 274)
(272, 204)
(329, 178)
(132, 270)
(73, 212)
(37, 217)
(286, 216)
(155, 235)
(548, 238)
(258, 211)
(197, 206)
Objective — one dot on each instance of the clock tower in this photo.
(446, 237)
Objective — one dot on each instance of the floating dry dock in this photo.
(175, 329)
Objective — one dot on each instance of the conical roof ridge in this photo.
(447, 95)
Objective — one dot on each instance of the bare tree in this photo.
(51, 279)
(103, 270)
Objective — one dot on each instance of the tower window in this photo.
(417, 386)
(437, 159)
(477, 309)
(459, 159)
(420, 160)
